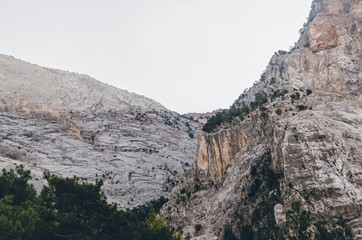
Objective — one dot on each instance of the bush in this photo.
(299, 222)
(299, 225)
(309, 91)
(191, 135)
(339, 231)
(228, 234)
(301, 107)
(278, 111)
(198, 227)
(197, 187)
(247, 232)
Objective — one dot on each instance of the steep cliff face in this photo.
(304, 143)
(72, 124)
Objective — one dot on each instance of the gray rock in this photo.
(71, 124)
(248, 171)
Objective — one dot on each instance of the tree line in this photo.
(67, 208)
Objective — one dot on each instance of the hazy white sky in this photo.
(189, 55)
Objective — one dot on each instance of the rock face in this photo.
(72, 124)
(304, 144)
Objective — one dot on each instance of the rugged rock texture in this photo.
(72, 124)
(201, 118)
(301, 145)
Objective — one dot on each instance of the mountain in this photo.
(201, 117)
(71, 124)
(294, 137)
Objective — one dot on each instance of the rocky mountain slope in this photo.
(71, 124)
(201, 117)
(295, 135)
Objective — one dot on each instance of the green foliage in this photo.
(70, 209)
(301, 107)
(299, 223)
(246, 232)
(295, 96)
(339, 231)
(253, 171)
(260, 99)
(17, 221)
(14, 182)
(188, 236)
(278, 111)
(156, 228)
(255, 187)
(225, 116)
(299, 226)
(228, 234)
(197, 187)
(279, 93)
(273, 231)
(191, 135)
(198, 227)
(282, 93)
(309, 91)
(142, 211)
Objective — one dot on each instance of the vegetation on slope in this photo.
(240, 111)
(70, 209)
(299, 226)
(227, 116)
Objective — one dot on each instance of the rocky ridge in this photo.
(303, 143)
(71, 124)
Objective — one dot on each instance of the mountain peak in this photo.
(293, 137)
(33, 85)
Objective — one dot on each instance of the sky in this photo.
(189, 55)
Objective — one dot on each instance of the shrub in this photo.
(301, 107)
(282, 93)
(338, 231)
(299, 225)
(197, 187)
(198, 227)
(253, 171)
(228, 234)
(262, 108)
(278, 111)
(247, 232)
(191, 135)
(309, 91)
(299, 222)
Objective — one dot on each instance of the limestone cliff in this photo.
(303, 143)
(71, 124)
